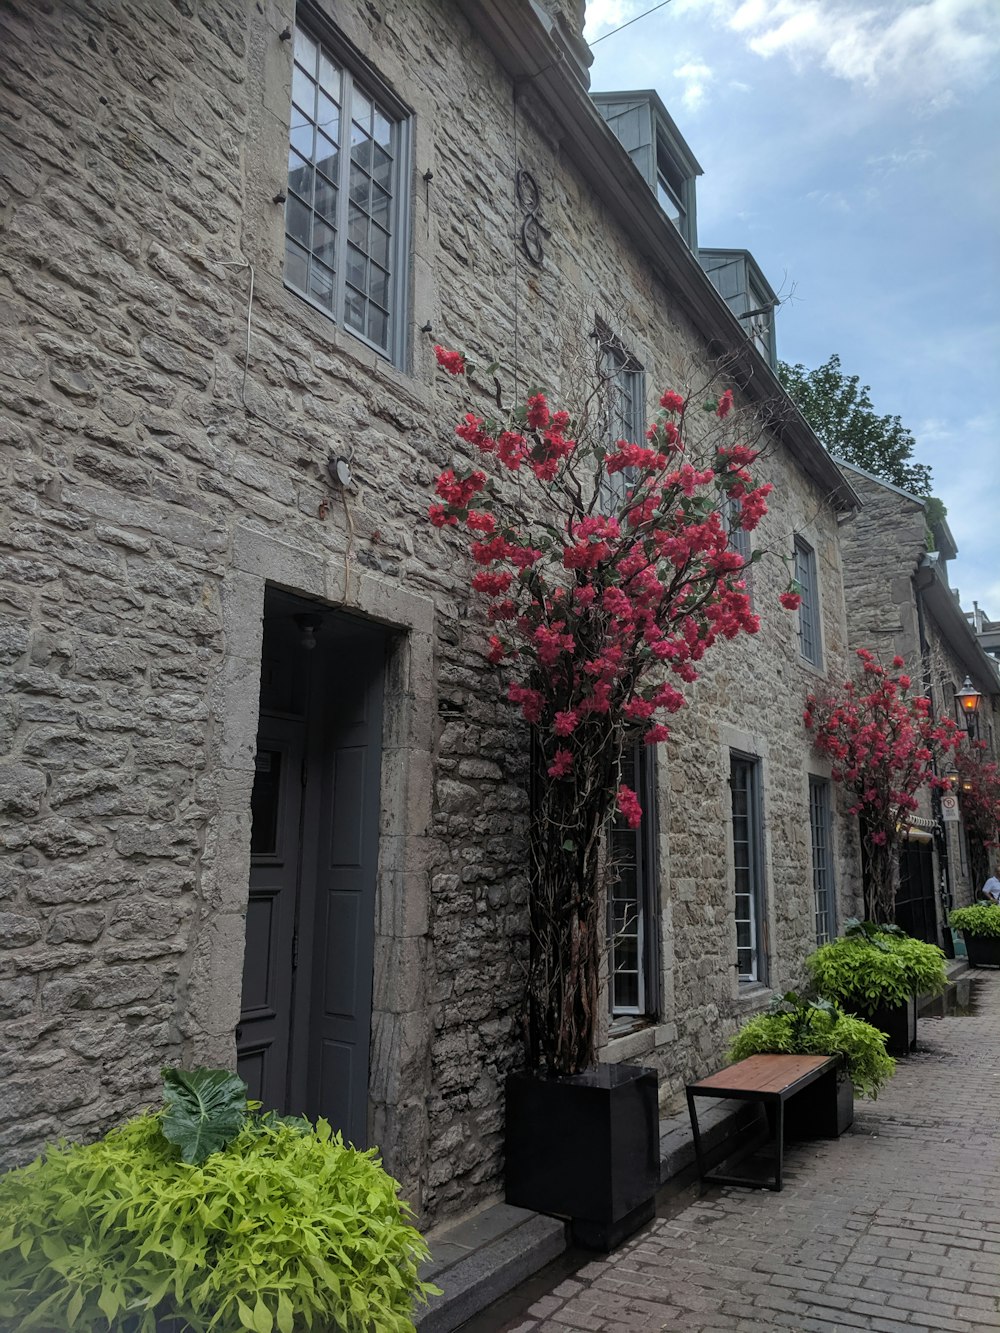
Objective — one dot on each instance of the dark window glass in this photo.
(264, 803)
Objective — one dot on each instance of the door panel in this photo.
(263, 1035)
(346, 873)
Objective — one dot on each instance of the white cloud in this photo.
(696, 77)
(920, 51)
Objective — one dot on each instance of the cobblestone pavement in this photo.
(895, 1227)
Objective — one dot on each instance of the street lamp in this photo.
(969, 699)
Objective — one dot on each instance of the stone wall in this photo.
(153, 482)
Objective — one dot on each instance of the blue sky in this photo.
(851, 145)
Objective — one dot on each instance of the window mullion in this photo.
(343, 193)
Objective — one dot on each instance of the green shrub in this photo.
(871, 966)
(980, 919)
(283, 1229)
(795, 1028)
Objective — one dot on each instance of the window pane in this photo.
(324, 242)
(379, 246)
(360, 186)
(361, 110)
(321, 284)
(305, 50)
(327, 155)
(326, 198)
(304, 93)
(380, 207)
(298, 221)
(382, 168)
(378, 326)
(329, 77)
(383, 129)
(357, 227)
(378, 285)
(357, 268)
(296, 266)
(301, 138)
(362, 149)
(354, 310)
(328, 117)
(300, 177)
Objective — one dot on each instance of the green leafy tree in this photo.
(840, 411)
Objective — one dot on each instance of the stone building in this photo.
(899, 601)
(260, 799)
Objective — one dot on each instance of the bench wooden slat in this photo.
(763, 1073)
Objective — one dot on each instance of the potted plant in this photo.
(980, 927)
(608, 574)
(799, 1027)
(877, 972)
(884, 745)
(203, 1215)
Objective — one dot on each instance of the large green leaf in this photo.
(203, 1110)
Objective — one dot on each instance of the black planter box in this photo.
(814, 1113)
(586, 1147)
(983, 950)
(899, 1022)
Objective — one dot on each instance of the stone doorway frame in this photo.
(401, 1028)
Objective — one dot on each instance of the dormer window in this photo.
(738, 280)
(645, 130)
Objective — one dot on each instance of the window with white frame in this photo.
(804, 561)
(623, 406)
(633, 905)
(822, 858)
(748, 866)
(345, 208)
(739, 539)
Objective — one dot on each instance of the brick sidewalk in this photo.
(895, 1227)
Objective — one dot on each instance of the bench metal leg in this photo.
(696, 1135)
(779, 1134)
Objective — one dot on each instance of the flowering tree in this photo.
(885, 746)
(607, 574)
(979, 787)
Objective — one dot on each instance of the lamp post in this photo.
(969, 699)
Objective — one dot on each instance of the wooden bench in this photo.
(769, 1080)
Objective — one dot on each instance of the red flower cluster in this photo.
(452, 362)
(592, 608)
(884, 746)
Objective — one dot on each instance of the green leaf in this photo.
(286, 1315)
(205, 1110)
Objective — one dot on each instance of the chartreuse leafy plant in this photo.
(981, 919)
(797, 1027)
(282, 1229)
(871, 966)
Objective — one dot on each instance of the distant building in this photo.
(899, 602)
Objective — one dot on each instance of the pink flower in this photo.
(656, 734)
(562, 764)
(628, 804)
(481, 522)
(452, 362)
(673, 402)
(440, 517)
(725, 405)
(878, 838)
(497, 650)
(538, 412)
(904, 682)
(566, 723)
(791, 601)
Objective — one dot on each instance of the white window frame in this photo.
(810, 622)
(623, 403)
(632, 916)
(747, 845)
(821, 839)
(358, 85)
